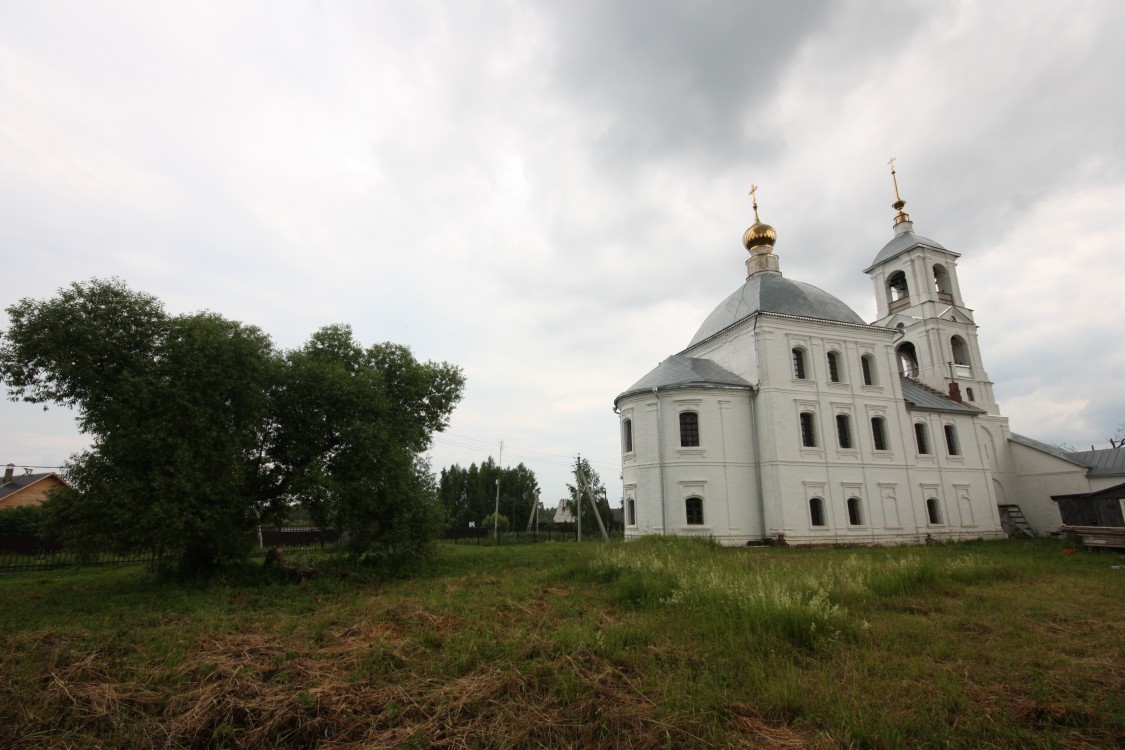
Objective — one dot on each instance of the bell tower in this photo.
(917, 293)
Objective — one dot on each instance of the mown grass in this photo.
(658, 643)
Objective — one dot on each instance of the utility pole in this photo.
(598, 518)
(578, 498)
(496, 513)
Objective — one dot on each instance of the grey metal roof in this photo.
(771, 292)
(900, 244)
(1053, 450)
(686, 372)
(922, 398)
(1103, 462)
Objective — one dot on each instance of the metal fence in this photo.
(559, 532)
(26, 552)
(21, 553)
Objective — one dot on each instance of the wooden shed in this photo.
(1102, 508)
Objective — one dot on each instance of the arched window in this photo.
(689, 429)
(808, 429)
(627, 435)
(969, 392)
(844, 430)
(694, 509)
(933, 511)
(898, 293)
(922, 438)
(631, 512)
(907, 359)
(834, 367)
(879, 433)
(951, 443)
(799, 371)
(867, 364)
(941, 284)
(855, 515)
(960, 350)
(816, 512)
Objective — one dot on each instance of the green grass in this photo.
(656, 643)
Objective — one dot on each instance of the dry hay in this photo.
(263, 690)
(236, 695)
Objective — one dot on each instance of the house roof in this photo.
(1046, 448)
(24, 481)
(686, 372)
(1102, 462)
(924, 398)
(1116, 491)
(902, 243)
(772, 292)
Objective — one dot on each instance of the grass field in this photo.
(656, 643)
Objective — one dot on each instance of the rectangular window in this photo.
(627, 435)
(694, 507)
(689, 429)
(855, 518)
(921, 438)
(933, 511)
(816, 511)
(879, 433)
(844, 430)
(799, 364)
(808, 430)
(866, 364)
(951, 442)
(834, 367)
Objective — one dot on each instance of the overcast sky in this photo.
(552, 194)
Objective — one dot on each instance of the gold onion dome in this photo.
(759, 234)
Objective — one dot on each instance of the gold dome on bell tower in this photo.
(759, 234)
(759, 240)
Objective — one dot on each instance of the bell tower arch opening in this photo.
(942, 285)
(907, 356)
(898, 291)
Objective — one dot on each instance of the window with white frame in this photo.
(922, 438)
(844, 431)
(933, 511)
(799, 370)
(867, 364)
(879, 433)
(834, 367)
(689, 429)
(952, 444)
(816, 512)
(808, 429)
(693, 507)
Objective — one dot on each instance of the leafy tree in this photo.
(351, 427)
(201, 428)
(470, 494)
(502, 522)
(593, 487)
(23, 519)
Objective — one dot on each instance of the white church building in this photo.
(789, 418)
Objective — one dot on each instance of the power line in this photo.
(525, 450)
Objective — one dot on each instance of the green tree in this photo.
(502, 522)
(593, 488)
(201, 428)
(351, 428)
(470, 494)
